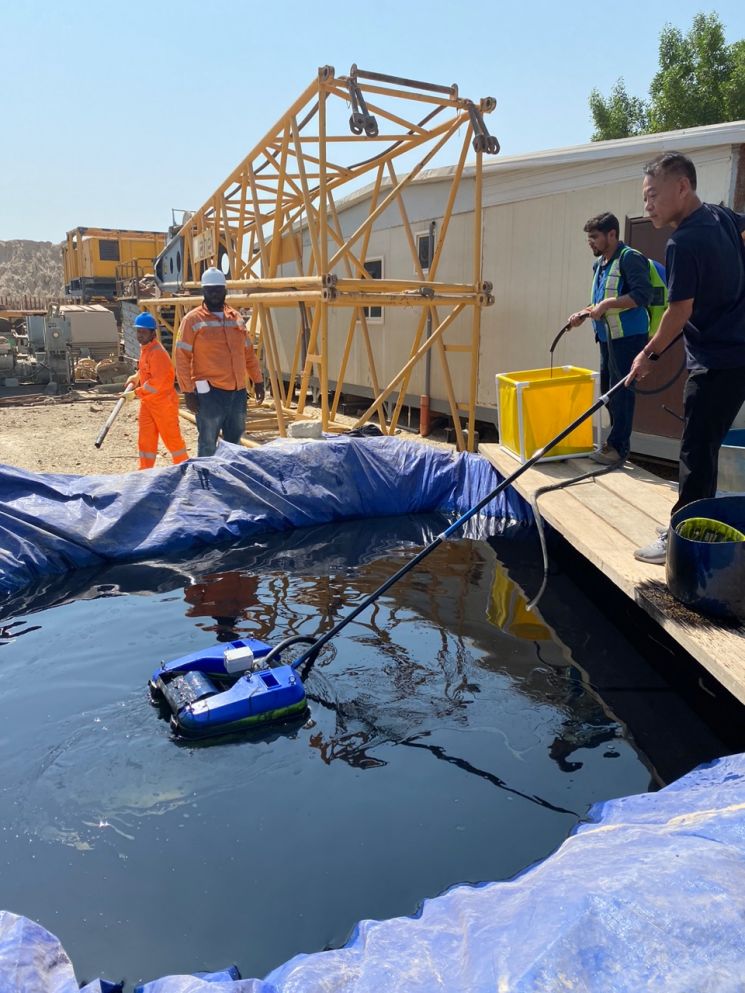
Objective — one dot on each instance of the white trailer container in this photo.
(535, 253)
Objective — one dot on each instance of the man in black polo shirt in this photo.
(705, 262)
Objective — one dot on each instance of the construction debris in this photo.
(114, 369)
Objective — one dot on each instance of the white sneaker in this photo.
(656, 551)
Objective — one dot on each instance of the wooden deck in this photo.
(605, 520)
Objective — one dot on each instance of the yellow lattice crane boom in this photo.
(274, 227)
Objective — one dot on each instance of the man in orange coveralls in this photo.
(154, 387)
(213, 358)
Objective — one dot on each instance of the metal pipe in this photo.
(424, 422)
(111, 418)
(380, 77)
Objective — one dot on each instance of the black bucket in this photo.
(709, 576)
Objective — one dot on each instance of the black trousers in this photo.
(616, 358)
(712, 398)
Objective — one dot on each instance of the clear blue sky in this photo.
(114, 113)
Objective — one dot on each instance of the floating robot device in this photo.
(225, 688)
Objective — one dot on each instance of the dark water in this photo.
(453, 737)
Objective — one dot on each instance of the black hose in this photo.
(613, 369)
(294, 639)
(539, 520)
(665, 386)
(637, 389)
(602, 401)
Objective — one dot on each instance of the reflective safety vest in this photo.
(656, 308)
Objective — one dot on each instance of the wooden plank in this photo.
(605, 520)
(652, 496)
(613, 509)
(643, 490)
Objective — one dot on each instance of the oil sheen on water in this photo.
(453, 737)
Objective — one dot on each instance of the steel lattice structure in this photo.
(284, 196)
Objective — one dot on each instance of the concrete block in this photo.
(305, 429)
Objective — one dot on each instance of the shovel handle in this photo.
(111, 418)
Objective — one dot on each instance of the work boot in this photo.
(607, 455)
(656, 551)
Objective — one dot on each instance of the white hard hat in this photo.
(213, 277)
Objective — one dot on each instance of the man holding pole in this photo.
(153, 385)
(705, 260)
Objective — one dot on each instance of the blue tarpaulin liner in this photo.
(307, 549)
(648, 895)
(50, 524)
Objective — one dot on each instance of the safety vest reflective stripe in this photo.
(183, 344)
(181, 451)
(149, 388)
(219, 352)
(147, 455)
(612, 283)
(227, 323)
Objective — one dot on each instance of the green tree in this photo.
(734, 90)
(618, 116)
(700, 80)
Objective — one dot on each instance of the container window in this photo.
(424, 250)
(375, 268)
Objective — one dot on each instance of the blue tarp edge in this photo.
(50, 524)
(649, 893)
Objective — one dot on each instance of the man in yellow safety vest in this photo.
(621, 293)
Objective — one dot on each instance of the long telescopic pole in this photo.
(317, 645)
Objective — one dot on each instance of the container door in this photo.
(650, 416)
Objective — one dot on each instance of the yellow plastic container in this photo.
(535, 405)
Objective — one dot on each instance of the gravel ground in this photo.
(57, 434)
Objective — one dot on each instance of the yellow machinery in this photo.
(95, 259)
(278, 209)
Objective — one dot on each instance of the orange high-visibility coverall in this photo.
(159, 407)
(215, 347)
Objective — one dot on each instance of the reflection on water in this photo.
(226, 597)
(452, 737)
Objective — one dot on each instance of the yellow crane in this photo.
(274, 228)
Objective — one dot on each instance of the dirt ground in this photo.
(52, 434)
(57, 434)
